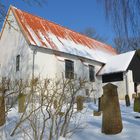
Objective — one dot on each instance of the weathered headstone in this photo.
(61, 114)
(96, 113)
(136, 104)
(99, 104)
(21, 103)
(2, 111)
(100, 107)
(79, 101)
(127, 100)
(94, 99)
(55, 104)
(138, 95)
(111, 119)
(134, 95)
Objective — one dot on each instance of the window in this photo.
(91, 73)
(17, 62)
(69, 69)
(112, 77)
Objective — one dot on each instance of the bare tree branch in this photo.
(91, 32)
(3, 9)
(125, 18)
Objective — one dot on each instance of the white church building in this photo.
(30, 44)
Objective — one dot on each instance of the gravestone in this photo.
(79, 101)
(61, 114)
(136, 107)
(138, 95)
(21, 103)
(55, 104)
(2, 111)
(99, 104)
(111, 119)
(96, 113)
(100, 107)
(134, 95)
(127, 100)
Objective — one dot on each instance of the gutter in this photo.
(60, 52)
(126, 83)
(34, 49)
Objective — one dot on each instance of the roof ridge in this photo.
(52, 22)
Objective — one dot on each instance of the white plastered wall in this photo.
(130, 83)
(13, 43)
(49, 65)
(126, 86)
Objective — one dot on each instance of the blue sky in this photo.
(74, 14)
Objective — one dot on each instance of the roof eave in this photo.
(20, 25)
(111, 72)
(58, 52)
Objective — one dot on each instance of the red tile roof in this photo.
(44, 33)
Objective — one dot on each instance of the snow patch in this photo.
(118, 63)
(35, 38)
(68, 46)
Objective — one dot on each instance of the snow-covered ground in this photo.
(131, 126)
(91, 125)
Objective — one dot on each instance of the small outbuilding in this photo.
(123, 70)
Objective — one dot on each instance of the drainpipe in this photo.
(33, 65)
(33, 72)
(126, 83)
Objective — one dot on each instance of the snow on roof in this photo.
(43, 33)
(118, 63)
